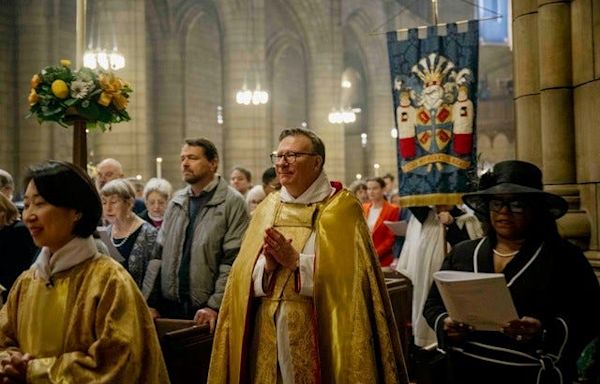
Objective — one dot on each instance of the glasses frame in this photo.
(514, 205)
(289, 157)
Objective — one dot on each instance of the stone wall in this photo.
(557, 96)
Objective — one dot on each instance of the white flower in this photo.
(80, 89)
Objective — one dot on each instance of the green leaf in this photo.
(91, 113)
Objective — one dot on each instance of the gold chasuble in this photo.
(89, 324)
(345, 333)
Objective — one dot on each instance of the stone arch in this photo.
(484, 147)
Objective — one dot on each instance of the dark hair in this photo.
(388, 176)
(210, 151)
(65, 185)
(243, 170)
(378, 180)
(317, 144)
(268, 175)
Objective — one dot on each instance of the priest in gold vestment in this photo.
(305, 301)
(75, 316)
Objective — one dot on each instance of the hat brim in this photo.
(478, 201)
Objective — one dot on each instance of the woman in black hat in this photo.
(553, 286)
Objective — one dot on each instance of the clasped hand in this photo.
(13, 368)
(522, 330)
(279, 251)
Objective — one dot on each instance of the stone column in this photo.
(586, 99)
(168, 109)
(131, 142)
(526, 81)
(556, 113)
(35, 39)
(246, 128)
(9, 145)
(326, 66)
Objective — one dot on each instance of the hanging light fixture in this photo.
(257, 96)
(99, 56)
(344, 116)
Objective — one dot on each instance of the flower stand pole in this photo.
(80, 143)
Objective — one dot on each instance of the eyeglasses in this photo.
(513, 205)
(289, 157)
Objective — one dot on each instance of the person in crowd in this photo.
(200, 237)
(376, 211)
(241, 180)
(157, 194)
(75, 316)
(111, 169)
(306, 301)
(390, 186)
(399, 241)
(430, 234)
(16, 246)
(107, 170)
(552, 285)
(259, 192)
(7, 185)
(133, 237)
(139, 204)
(359, 189)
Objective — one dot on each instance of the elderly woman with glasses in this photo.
(75, 316)
(133, 237)
(553, 286)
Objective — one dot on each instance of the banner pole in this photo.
(434, 11)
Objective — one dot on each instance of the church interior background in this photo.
(539, 84)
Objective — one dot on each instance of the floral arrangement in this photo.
(61, 95)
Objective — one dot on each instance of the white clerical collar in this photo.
(318, 191)
(74, 252)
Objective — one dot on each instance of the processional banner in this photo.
(434, 87)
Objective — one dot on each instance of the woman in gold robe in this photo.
(75, 316)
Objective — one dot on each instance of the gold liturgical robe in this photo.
(355, 337)
(90, 326)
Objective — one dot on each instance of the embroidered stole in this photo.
(294, 221)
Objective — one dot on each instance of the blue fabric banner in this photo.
(434, 87)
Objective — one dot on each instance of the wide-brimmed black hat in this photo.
(514, 177)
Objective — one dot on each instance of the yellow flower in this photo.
(111, 91)
(60, 89)
(36, 80)
(65, 63)
(120, 101)
(33, 97)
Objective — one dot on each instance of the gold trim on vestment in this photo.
(356, 333)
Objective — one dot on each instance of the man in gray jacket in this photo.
(200, 237)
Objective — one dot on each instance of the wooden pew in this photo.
(186, 348)
(400, 289)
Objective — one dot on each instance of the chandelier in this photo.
(94, 58)
(96, 55)
(257, 96)
(344, 116)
